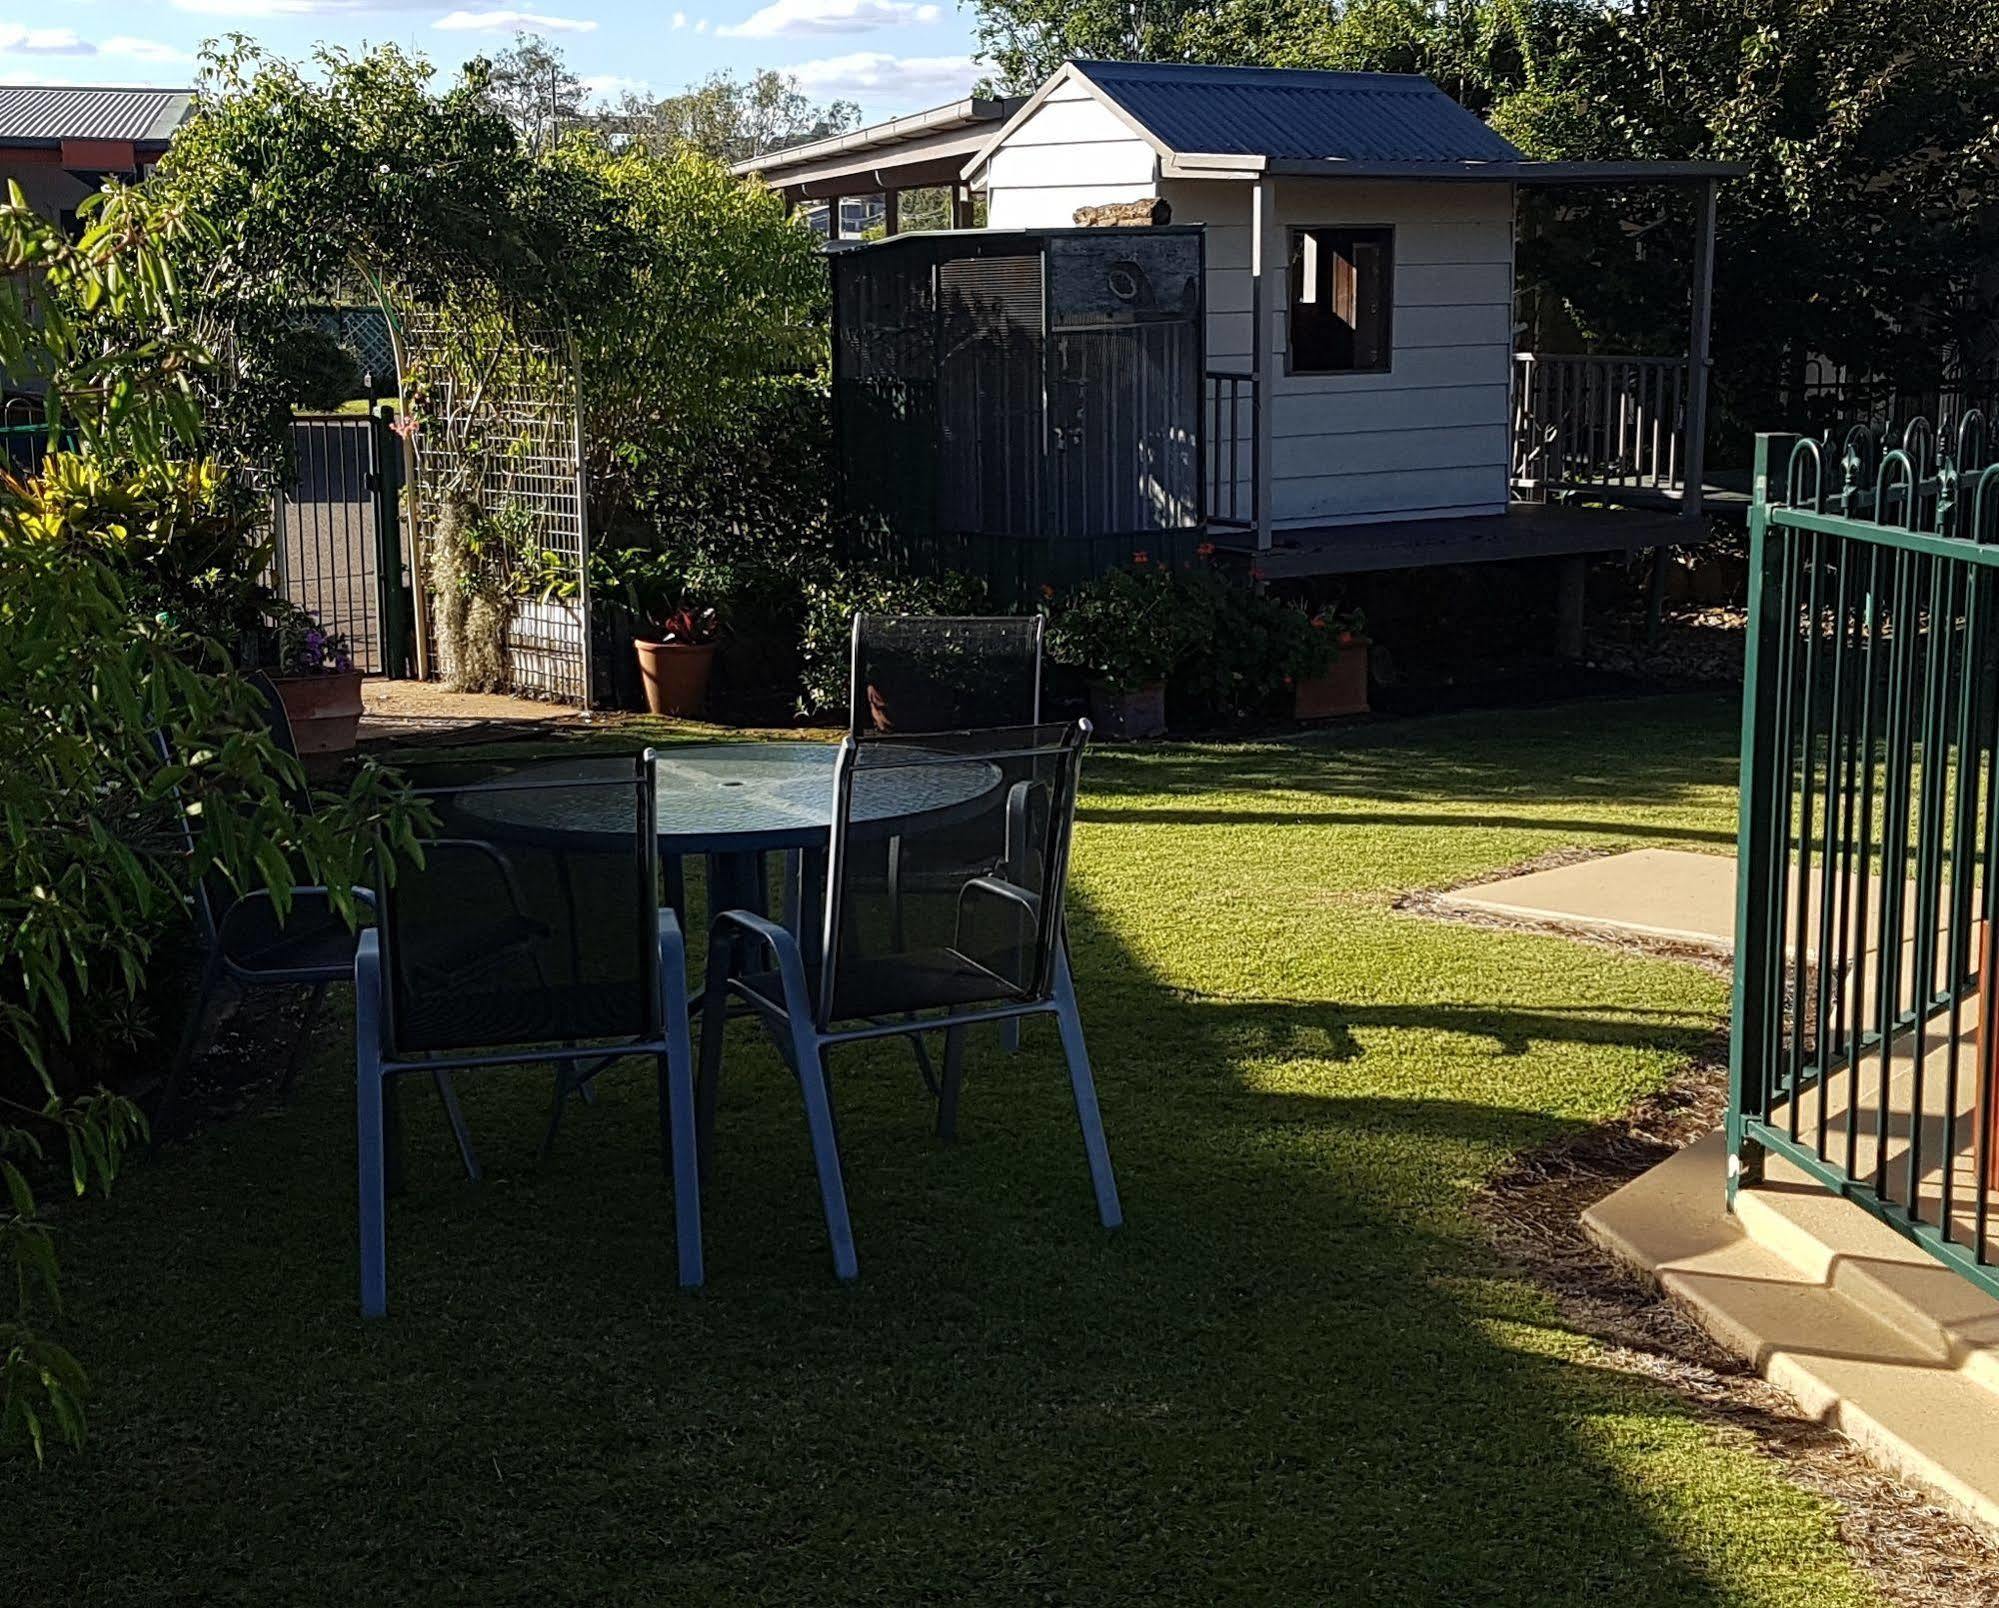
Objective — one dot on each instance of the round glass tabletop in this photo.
(740, 798)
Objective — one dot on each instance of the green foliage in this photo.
(95, 865)
(833, 599)
(323, 374)
(722, 288)
(1244, 650)
(728, 118)
(1128, 628)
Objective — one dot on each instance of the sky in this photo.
(891, 56)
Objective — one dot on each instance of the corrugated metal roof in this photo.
(50, 112)
(1297, 114)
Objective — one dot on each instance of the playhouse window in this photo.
(1341, 301)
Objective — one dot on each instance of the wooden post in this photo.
(891, 212)
(1572, 607)
(1263, 269)
(1697, 351)
(961, 206)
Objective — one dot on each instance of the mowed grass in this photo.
(1296, 1376)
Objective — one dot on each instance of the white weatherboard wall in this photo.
(1427, 439)
(1072, 151)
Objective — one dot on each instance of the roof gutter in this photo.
(894, 132)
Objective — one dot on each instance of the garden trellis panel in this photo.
(498, 422)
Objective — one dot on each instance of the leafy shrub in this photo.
(1128, 628)
(1243, 651)
(832, 601)
(94, 866)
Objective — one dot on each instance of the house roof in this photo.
(920, 148)
(1285, 114)
(48, 114)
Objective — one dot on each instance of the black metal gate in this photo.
(338, 537)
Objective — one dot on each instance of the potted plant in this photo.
(1125, 632)
(319, 685)
(1340, 688)
(676, 657)
(674, 635)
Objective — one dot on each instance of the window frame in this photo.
(1293, 272)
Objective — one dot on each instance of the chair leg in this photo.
(370, 1143)
(1085, 1090)
(305, 1026)
(714, 1018)
(467, 1156)
(825, 1147)
(1009, 1035)
(681, 1153)
(954, 1081)
(190, 1037)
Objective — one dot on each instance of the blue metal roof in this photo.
(1297, 114)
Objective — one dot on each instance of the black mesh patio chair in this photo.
(921, 673)
(926, 673)
(601, 975)
(247, 942)
(975, 937)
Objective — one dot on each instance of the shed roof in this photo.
(1284, 114)
(47, 114)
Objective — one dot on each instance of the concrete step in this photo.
(1834, 1243)
(1840, 1336)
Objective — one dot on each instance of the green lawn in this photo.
(1295, 1376)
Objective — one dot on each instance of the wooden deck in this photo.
(1527, 530)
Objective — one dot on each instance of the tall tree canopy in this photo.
(1867, 231)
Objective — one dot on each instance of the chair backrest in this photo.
(950, 858)
(920, 672)
(535, 916)
(278, 726)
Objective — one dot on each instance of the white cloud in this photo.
(866, 73)
(508, 21)
(297, 8)
(782, 17)
(605, 89)
(67, 42)
(44, 41)
(142, 49)
(680, 19)
(701, 25)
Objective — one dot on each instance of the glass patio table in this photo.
(736, 803)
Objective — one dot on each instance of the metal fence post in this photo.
(1760, 853)
(384, 480)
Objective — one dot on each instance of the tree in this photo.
(530, 85)
(100, 838)
(730, 118)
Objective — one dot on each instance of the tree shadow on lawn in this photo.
(1646, 754)
(1291, 1378)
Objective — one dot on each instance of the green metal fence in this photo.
(1864, 980)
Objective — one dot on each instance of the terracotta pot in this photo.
(676, 676)
(1340, 690)
(325, 712)
(1122, 716)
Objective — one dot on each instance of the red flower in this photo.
(1139, 557)
(1255, 574)
(1205, 550)
(1047, 590)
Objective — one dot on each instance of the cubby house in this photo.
(1363, 403)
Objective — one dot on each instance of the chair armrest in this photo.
(784, 950)
(993, 888)
(302, 893)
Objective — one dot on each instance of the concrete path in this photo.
(1657, 893)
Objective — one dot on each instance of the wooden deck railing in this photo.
(1229, 468)
(1603, 424)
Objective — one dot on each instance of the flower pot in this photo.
(1124, 715)
(325, 712)
(1341, 689)
(675, 675)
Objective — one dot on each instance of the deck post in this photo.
(891, 212)
(1697, 350)
(1263, 268)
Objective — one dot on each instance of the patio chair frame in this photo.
(802, 1028)
(663, 973)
